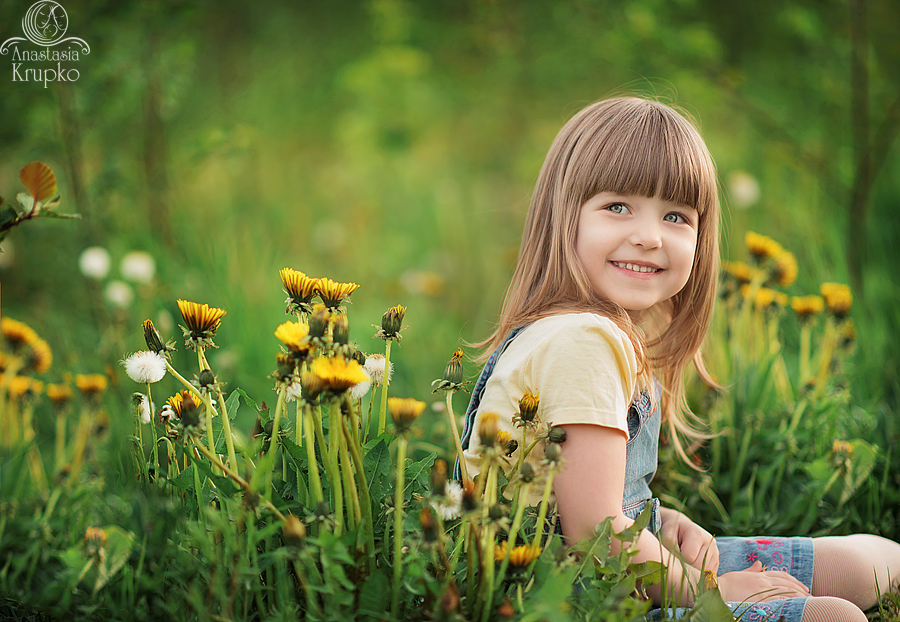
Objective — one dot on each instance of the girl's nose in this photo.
(646, 233)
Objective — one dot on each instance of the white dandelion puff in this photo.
(119, 294)
(358, 391)
(375, 368)
(94, 262)
(293, 391)
(138, 266)
(142, 406)
(450, 505)
(145, 367)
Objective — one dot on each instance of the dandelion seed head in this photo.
(375, 368)
(359, 390)
(293, 391)
(145, 367)
(449, 506)
(119, 294)
(94, 262)
(138, 267)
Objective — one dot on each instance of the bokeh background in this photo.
(395, 144)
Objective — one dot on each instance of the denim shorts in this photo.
(792, 555)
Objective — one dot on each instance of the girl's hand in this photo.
(696, 545)
(754, 585)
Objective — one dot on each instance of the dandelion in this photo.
(807, 306)
(488, 428)
(392, 323)
(375, 367)
(16, 333)
(202, 323)
(94, 263)
(145, 367)
(142, 406)
(294, 391)
(154, 340)
(294, 530)
(449, 505)
(333, 293)
(452, 380)
(404, 411)
(337, 373)
(528, 407)
(300, 290)
(762, 247)
(20, 386)
(295, 336)
(743, 189)
(764, 297)
(785, 269)
(741, 272)
(341, 330)
(59, 394)
(359, 390)
(94, 542)
(91, 385)
(838, 298)
(522, 556)
(138, 267)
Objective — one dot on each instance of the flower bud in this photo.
(429, 525)
(206, 378)
(469, 498)
(453, 373)
(553, 452)
(322, 509)
(318, 321)
(151, 336)
(286, 365)
(190, 414)
(404, 411)
(498, 511)
(392, 321)
(439, 478)
(528, 406)
(341, 331)
(557, 435)
(311, 385)
(294, 529)
(488, 428)
(267, 429)
(526, 473)
(359, 357)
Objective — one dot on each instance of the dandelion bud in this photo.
(488, 428)
(710, 582)
(557, 435)
(498, 511)
(311, 386)
(268, 428)
(552, 452)
(341, 331)
(286, 365)
(190, 415)
(526, 473)
(318, 321)
(528, 406)
(469, 498)
(153, 339)
(404, 411)
(294, 529)
(453, 373)
(322, 509)
(838, 298)
(510, 447)
(429, 525)
(392, 321)
(439, 478)
(359, 357)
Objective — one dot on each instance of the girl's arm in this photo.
(589, 488)
(696, 545)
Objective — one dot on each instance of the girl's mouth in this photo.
(633, 267)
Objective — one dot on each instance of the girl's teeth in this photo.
(634, 267)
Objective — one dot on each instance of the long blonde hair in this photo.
(634, 146)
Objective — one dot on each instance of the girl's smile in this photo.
(636, 251)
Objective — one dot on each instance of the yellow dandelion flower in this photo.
(59, 394)
(175, 402)
(838, 298)
(91, 385)
(337, 373)
(500, 551)
(807, 306)
(503, 437)
(740, 271)
(785, 269)
(202, 323)
(21, 385)
(17, 333)
(294, 335)
(41, 356)
(761, 246)
(334, 293)
(404, 411)
(528, 406)
(522, 555)
(766, 298)
(299, 288)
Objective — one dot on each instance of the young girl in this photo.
(610, 300)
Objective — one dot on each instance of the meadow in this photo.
(394, 145)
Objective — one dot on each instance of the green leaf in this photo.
(374, 598)
(418, 474)
(711, 608)
(233, 404)
(377, 465)
(8, 216)
(49, 214)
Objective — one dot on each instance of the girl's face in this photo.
(636, 251)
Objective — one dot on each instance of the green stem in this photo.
(398, 519)
(456, 440)
(273, 441)
(153, 430)
(542, 512)
(351, 495)
(60, 440)
(311, 457)
(364, 501)
(334, 420)
(513, 534)
(805, 332)
(197, 489)
(382, 415)
(299, 442)
(226, 424)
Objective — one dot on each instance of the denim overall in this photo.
(640, 451)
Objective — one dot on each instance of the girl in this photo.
(610, 300)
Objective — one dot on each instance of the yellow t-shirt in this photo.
(582, 365)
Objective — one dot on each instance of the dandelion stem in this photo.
(398, 517)
(382, 415)
(299, 442)
(805, 330)
(311, 457)
(334, 420)
(364, 501)
(60, 440)
(198, 492)
(273, 441)
(513, 533)
(456, 440)
(542, 511)
(226, 424)
(153, 430)
(354, 513)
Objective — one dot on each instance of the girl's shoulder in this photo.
(573, 324)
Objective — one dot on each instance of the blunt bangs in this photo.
(644, 149)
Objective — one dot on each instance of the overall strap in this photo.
(478, 393)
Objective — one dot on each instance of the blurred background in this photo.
(395, 144)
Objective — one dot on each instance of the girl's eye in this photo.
(617, 208)
(674, 217)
